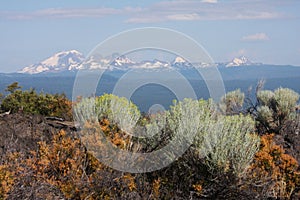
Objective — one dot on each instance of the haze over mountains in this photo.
(74, 60)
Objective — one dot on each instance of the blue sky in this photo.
(264, 31)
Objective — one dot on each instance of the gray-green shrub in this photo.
(226, 142)
(118, 110)
(232, 102)
(275, 108)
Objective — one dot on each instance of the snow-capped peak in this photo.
(241, 61)
(179, 60)
(73, 60)
(122, 60)
(181, 63)
(154, 64)
(65, 60)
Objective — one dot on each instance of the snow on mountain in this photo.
(241, 61)
(179, 60)
(62, 61)
(181, 63)
(112, 62)
(117, 62)
(95, 62)
(122, 61)
(74, 60)
(155, 64)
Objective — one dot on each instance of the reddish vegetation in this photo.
(44, 160)
(275, 171)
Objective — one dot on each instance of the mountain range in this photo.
(62, 61)
(74, 60)
(57, 74)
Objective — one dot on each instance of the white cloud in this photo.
(62, 13)
(256, 37)
(186, 17)
(176, 10)
(209, 1)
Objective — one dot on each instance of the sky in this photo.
(266, 31)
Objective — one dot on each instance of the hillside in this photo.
(47, 157)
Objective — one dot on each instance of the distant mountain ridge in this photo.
(74, 60)
(62, 61)
(240, 61)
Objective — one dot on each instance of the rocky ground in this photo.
(21, 132)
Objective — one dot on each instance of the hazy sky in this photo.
(264, 31)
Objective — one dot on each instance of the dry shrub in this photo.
(273, 173)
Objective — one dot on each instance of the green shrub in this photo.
(232, 102)
(29, 101)
(118, 110)
(276, 108)
(265, 97)
(228, 143)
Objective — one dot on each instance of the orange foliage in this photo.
(272, 166)
(65, 164)
(156, 186)
(93, 137)
(6, 180)
(129, 180)
(60, 106)
(9, 171)
(61, 164)
(115, 135)
(198, 188)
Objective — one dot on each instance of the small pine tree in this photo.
(29, 101)
(13, 87)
